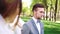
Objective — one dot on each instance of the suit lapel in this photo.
(34, 25)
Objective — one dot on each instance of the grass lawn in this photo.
(49, 27)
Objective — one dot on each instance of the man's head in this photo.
(38, 10)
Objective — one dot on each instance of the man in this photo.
(35, 26)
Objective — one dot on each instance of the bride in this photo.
(10, 23)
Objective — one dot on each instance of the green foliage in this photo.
(25, 18)
(49, 4)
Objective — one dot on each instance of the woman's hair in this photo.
(2, 7)
(20, 10)
(8, 7)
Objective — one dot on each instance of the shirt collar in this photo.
(35, 20)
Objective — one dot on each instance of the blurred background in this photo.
(52, 10)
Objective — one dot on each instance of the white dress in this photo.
(4, 27)
(17, 29)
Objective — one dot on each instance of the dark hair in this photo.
(37, 5)
(6, 8)
(2, 6)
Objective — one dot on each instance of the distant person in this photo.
(35, 26)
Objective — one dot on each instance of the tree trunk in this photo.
(55, 10)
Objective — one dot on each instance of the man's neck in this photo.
(36, 17)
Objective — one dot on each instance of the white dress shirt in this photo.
(37, 25)
(4, 27)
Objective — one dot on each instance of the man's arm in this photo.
(25, 29)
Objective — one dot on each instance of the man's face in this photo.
(39, 12)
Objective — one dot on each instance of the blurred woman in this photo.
(4, 14)
(9, 16)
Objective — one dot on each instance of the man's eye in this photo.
(41, 12)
